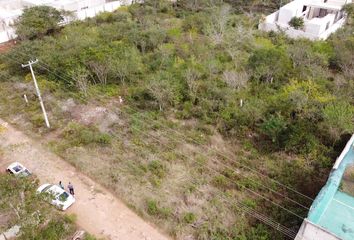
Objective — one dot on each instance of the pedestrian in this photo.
(61, 185)
(71, 189)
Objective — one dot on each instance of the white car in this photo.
(59, 197)
(18, 169)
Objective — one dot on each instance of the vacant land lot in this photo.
(181, 176)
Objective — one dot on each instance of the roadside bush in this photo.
(154, 210)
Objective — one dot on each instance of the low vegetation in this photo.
(210, 106)
(21, 206)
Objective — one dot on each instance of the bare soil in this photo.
(97, 210)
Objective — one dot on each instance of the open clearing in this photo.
(97, 210)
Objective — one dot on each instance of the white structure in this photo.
(321, 18)
(10, 10)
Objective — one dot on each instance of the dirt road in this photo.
(97, 210)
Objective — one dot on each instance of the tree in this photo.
(344, 57)
(160, 87)
(307, 62)
(349, 9)
(236, 80)
(269, 64)
(192, 77)
(217, 27)
(124, 61)
(38, 21)
(81, 79)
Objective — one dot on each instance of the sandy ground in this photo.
(97, 210)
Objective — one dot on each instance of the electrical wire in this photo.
(247, 210)
(214, 150)
(219, 162)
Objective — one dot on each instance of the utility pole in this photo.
(30, 63)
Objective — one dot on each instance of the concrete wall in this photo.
(310, 231)
(91, 12)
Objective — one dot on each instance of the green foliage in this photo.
(56, 229)
(268, 64)
(220, 181)
(195, 65)
(296, 22)
(349, 9)
(155, 210)
(189, 217)
(273, 127)
(338, 119)
(37, 21)
(37, 220)
(157, 168)
(77, 134)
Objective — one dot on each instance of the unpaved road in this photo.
(97, 210)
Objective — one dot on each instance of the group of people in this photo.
(70, 187)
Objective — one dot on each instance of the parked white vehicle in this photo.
(59, 197)
(18, 169)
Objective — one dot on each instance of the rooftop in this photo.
(333, 209)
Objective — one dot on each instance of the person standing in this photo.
(61, 185)
(71, 189)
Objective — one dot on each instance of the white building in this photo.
(10, 10)
(321, 18)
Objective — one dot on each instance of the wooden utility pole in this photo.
(30, 63)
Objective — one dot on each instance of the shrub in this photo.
(157, 168)
(78, 135)
(297, 22)
(270, 64)
(220, 181)
(189, 217)
(273, 127)
(154, 210)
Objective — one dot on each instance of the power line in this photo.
(219, 162)
(259, 216)
(243, 207)
(216, 151)
(219, 153)
(230, 179)
(227, 157)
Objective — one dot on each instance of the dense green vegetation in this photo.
(38, 21)
(283, 106)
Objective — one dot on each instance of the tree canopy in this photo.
(38, 21)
